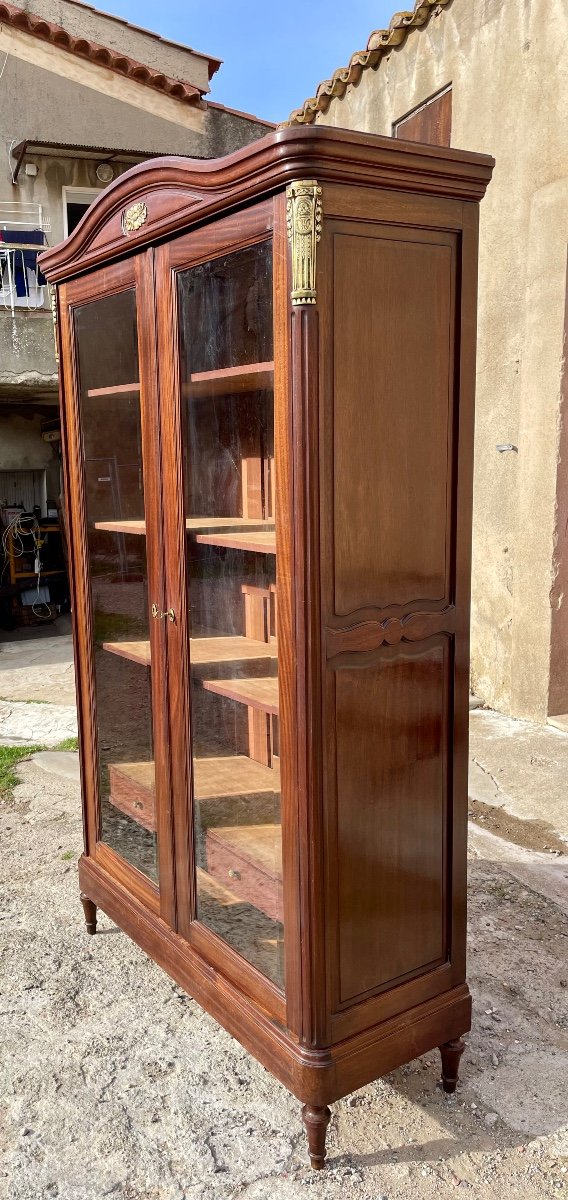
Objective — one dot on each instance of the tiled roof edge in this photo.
(238, 112)
(214, 63)
(380, 41)
(18, 18)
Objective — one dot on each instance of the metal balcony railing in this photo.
(22, 237)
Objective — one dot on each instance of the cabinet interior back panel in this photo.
(392, 768)
(393, 392)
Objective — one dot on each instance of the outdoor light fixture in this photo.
(105, 172)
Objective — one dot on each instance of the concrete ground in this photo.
(521, 768)
(36, 664)
(116, 1084)
(37, 685)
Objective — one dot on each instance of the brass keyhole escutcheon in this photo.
(158, 615)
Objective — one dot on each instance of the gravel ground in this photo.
(116, 1084)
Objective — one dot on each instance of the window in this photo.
(76, 201)
(429, 122)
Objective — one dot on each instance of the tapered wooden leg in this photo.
(451, 1053)
(90, 911)
(316, 1121)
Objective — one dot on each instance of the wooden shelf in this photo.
(256, 693)
(120, 389)
(248, 859)
(133, 791)
(229, 780)
(122, 526)
(195, 524)
(138, 652)
(235, 775)
(229, 649)
(192, 525)
(203, 650)
(248, 378)
(261, 542)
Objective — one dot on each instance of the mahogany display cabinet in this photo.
(267, 382)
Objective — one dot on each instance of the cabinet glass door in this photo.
(227, 374)
(113, 475)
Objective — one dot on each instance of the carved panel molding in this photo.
(369, 635)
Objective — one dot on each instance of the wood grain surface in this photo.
(370, 481)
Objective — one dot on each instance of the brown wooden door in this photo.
(216, 296)
(113, 490)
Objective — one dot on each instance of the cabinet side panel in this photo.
(392, 804)
(391, 418)
(391, 615)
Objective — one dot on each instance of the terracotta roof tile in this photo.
(18, 18)
(380, 41)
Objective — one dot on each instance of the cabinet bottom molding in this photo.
(316, 1076)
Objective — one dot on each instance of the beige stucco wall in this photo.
(22, 447)
(49, 95)
(507, 61)
(41, 104)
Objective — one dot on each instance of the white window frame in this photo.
(77, 195)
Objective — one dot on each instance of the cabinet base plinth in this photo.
(451, 1053)
(316, 1119)
(317, 1077)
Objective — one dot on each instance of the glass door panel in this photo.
(227, 370)
(109, 401)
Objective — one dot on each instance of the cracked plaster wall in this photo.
(507, 61)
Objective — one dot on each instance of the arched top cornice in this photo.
(176, 193)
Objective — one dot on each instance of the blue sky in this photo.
(274, 55)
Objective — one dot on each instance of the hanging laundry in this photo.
(24, 260)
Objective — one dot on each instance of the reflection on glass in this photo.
(227, 394)
(110, 418)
